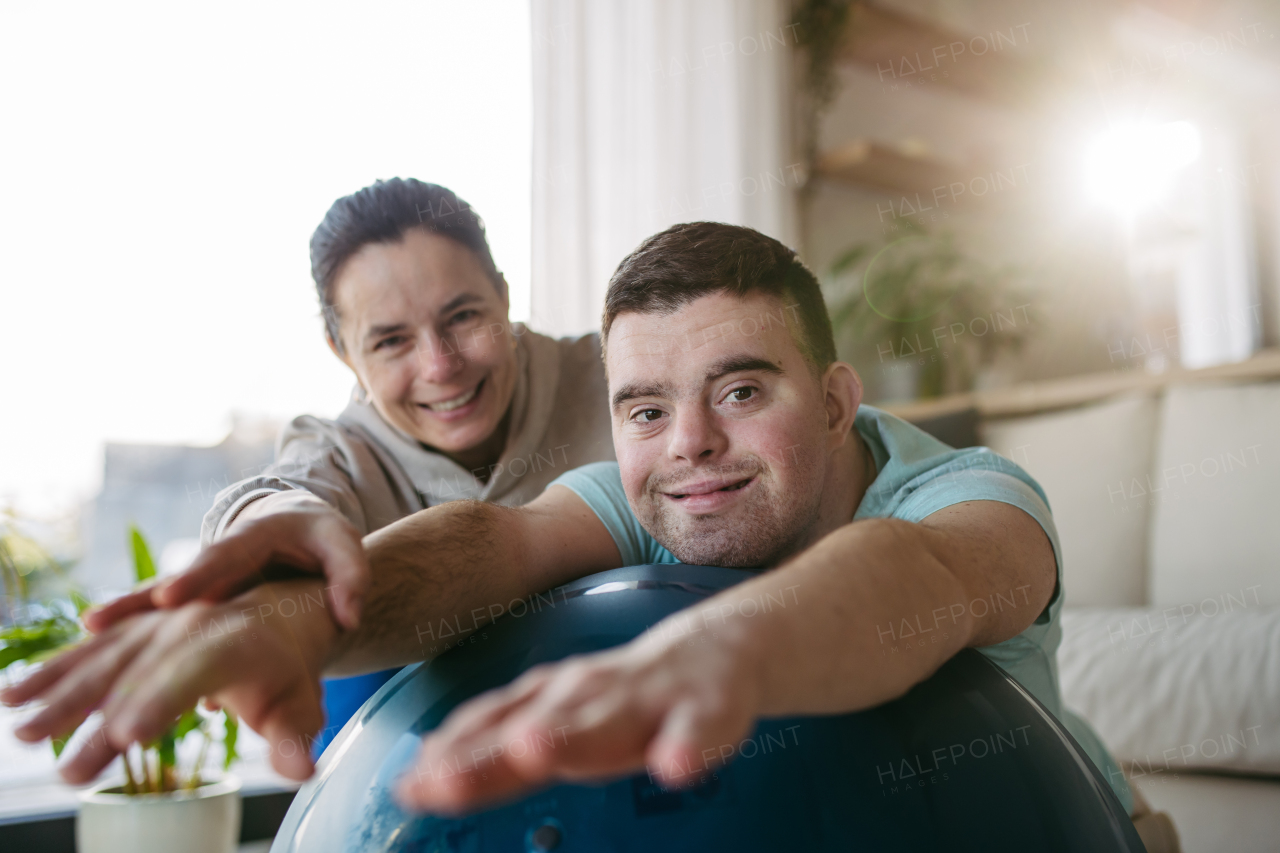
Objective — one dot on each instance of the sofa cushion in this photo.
(1217, 814)
(1092, 463)
(1216, 524)
(1176, 688)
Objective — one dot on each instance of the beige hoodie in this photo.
(374, 474)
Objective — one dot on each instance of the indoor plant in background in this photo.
(166, 802)
(921, 305)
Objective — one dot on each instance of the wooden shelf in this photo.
(902, 50)
(872, 164)
(1030, 398)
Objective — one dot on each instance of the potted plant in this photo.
(928, 308)
(163, 803)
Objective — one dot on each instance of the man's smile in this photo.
(709, 495)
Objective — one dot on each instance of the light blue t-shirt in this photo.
(917, 476)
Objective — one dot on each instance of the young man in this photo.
(740, 442)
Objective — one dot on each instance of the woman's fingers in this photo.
(100, 618)
(225, 568)
(346, 568)
(313, 540)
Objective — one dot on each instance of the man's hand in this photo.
(654, 703)
(259, 655)
(301, 532)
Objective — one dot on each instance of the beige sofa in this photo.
(1166, 493)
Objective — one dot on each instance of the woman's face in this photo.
(426, 333)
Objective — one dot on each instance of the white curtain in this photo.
(647, 113)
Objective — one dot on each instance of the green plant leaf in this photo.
(232, 727)
(187, 723)
(34, 641)
(166, 751)
(81, 603)
(144, 568)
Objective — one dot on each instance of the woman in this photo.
(451, 400)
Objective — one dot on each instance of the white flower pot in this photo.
(206, 820)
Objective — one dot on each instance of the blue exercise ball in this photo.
(967, 760)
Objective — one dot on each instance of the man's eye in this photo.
(648, 415)
(739, 395)
(463, 316)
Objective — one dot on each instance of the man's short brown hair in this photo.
(695, 259)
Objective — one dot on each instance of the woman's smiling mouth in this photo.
(454, 403)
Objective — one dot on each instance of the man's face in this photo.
(720, 429)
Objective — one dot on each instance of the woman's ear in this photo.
(333, 348)
(345, 359)
(842, 390)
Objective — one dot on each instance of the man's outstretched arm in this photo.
(466, 562)
(262, 653)
(806, 638)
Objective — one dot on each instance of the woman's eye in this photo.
(394, 340)
(740, 395)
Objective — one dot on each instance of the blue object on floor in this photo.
(967, 760)
(342, 698)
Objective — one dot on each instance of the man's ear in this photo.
(842, 392)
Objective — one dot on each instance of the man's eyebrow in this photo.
(723, 367)
(739, 363)
(632, 390)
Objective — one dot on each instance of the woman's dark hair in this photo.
(382, 213)
(685, 262)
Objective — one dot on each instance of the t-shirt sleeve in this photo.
(600, 485)
(963, 483)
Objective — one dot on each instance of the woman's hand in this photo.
(663, 704)
(260, 655)
(304, 533)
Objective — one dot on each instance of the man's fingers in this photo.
(100, 618)
(50, 671)
(71, 699)
(458, 783)
(487, 709)
(606, 736)
(289, 727)
(90, 753)
(690, 738)
(168, 675)
(461, 764)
